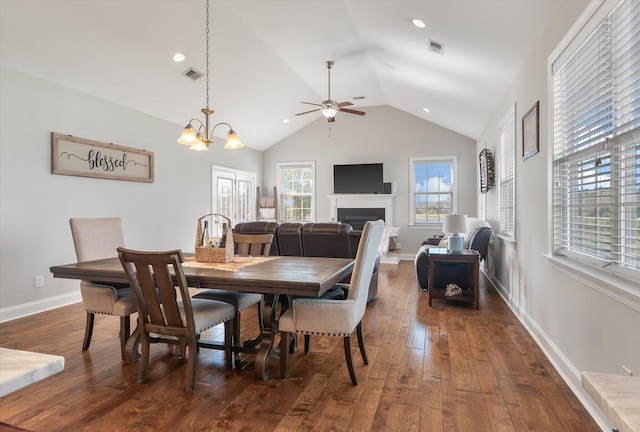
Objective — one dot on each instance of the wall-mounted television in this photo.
(358, 179)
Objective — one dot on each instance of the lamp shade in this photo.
(455, 224)
(233, 142)
(188, 136)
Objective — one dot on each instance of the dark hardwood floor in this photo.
(444, 368)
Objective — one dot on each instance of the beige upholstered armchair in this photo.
(98, 238)
(312, 316)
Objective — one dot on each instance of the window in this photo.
(297, 191)
(232, 195)
(433, 189)
(507, 133)
(596, 140)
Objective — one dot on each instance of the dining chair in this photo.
(166, 308)
(245, 245)
(97, 238)
(316, 316)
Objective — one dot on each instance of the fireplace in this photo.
(367, 206)
(356, 217)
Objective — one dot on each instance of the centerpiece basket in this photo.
(221, 254)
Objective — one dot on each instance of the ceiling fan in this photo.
(330, 108)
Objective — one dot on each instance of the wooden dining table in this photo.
(277, 276)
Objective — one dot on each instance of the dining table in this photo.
(274, 276)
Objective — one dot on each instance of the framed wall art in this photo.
(531, 132)
(487, 171)
(83, 157)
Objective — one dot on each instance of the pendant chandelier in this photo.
(201, 138)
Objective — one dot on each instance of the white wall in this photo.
(580, 328)
(386, 135)
(35, 206)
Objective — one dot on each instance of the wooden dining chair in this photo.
(245, 245)
(317, 316)
(97, 238)
(160, 312)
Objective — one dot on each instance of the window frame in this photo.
(413, 161)
(281, 190)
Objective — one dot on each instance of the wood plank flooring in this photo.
(445, 368)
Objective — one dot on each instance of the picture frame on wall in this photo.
(75, 156)
(531, 132)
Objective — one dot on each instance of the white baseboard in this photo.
(565, 368)
(26, 309)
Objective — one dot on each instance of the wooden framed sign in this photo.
(87, 158)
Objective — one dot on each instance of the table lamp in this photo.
(454, 225)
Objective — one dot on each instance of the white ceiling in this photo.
(268, 55)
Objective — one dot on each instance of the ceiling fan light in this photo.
(188, 136)
(329, 112)
(233, 142)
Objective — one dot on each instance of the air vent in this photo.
(358, 97)
(193, 74)
(436, 47)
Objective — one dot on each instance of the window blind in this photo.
(507, 173)
(596, 133)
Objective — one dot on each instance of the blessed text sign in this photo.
(87, 158)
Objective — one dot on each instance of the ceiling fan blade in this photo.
(311, 103)
(307, 112)
(350, 111)
(343, 104)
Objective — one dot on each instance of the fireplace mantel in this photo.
(363, 201)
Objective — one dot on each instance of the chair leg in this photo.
(363, 352)
(236, 330)
(144, 357)
(285, 340)
(347, 355)
(191, 370)
(307, 342)
(229, 327)
(125, 332)
(88, 331)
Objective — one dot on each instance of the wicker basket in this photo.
(210, 254)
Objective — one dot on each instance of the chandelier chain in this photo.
(207, 49)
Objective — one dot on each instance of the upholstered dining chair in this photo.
(245, 245)
(98, 238)
(314, 316)
(161, 313)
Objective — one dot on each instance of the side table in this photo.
(466, 256)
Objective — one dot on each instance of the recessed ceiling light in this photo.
(419, 23)
(285, 121)
(426, 110)
(178, 58)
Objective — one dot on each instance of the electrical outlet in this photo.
(627, 371)
(38, 281)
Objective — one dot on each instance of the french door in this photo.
(233, 195)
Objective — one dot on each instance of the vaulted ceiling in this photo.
(268, 55)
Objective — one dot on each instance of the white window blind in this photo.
(596, 135)
(508, 173)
